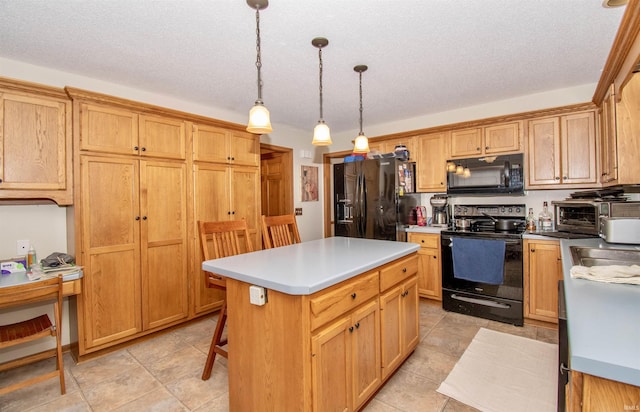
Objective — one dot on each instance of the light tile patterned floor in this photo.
(163, 373)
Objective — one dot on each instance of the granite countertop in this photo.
(603, 321)
(308, 267)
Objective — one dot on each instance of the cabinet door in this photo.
(628, 130)
(502, 138)
(391, 330)
(410, 315)
(33, 143)
(106, 129)
(210, 144)
(110, 256)
(331, 367)
(431, 159)
(163, 206)
(544, 151)
(244, 148)
(545, 269)
(365, 334)
(245, 200)
(162, 137)
(466, 143)
(211, 203)
(578, 148)
(608, 157)
(429, 270)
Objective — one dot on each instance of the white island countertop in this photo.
(308, 267)
(603, 321)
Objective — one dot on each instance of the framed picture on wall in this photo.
(309, 183)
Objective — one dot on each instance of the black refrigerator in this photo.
(374, 198)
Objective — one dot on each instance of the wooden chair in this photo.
(218, 240)
(279, 231)
(49, 290)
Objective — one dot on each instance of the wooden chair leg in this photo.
(215, 342)
(59, 361)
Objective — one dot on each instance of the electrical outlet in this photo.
(22, 247)
(298, 211)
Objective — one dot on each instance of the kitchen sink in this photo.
(593, 256)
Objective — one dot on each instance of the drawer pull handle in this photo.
(353, 295)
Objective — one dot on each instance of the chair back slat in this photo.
(279, 231)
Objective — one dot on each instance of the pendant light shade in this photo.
(321, 133)
(361, 144)
(259, 120)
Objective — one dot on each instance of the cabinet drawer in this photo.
(328, 305)
(398, 271)
(425, 240)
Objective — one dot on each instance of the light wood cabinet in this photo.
(120, 131)
(218, 145)
(496, 139)
(608, 138)
(589, 393)
(35, 143)
(542, 271)
(389, 145)
(429, 264)
(628, 130)
(431, 159)
(399, 324)
(133, 248)
(562, 151)
(346, 360)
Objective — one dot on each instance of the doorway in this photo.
(276, 180)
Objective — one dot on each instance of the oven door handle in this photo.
(484, 302)
(508, 242)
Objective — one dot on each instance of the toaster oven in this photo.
(586, 216)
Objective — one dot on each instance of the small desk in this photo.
(71, 281)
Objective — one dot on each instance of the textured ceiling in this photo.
(424, 56)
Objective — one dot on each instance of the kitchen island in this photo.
(604, 333)
(341, 314)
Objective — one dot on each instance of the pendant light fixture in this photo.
(259, 121)
(321, 133)
(361, 144)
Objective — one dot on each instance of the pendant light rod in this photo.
(320, 42)
(360, 69)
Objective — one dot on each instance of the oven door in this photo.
(512, 283)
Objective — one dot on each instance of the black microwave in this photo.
(487, 175)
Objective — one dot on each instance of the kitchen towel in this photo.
(478, 260)
(609, 273)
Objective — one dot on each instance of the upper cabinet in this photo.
(608, 137)
(218, 145)
(35, 143)
(494, 139)
(562, 151)
(628, 133)
(389, 145)
(431, 158)
(121, 131)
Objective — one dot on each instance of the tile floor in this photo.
(163, 373)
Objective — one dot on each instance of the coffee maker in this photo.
(440, 211)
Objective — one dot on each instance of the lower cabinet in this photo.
(542, 270)
(346, 360)
(399, 321)
(429, 265)
(588, 393)
(338, 347)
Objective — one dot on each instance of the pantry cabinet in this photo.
(542, 271)
(35, 143)
(562, 151)
(496, 139)
(429, 264)
(134, 249)
(431, 159)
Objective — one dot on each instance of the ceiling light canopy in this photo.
(321, 133)
(361, 144)
(259, 120)
(614, 3)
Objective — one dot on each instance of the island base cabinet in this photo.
(588, 393)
